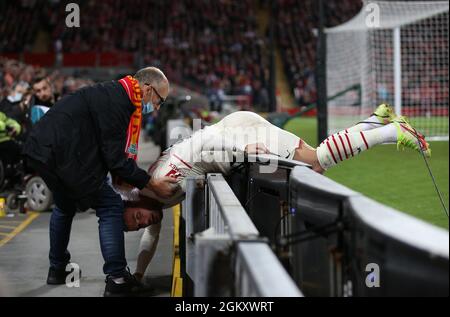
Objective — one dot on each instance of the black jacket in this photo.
(82, 137)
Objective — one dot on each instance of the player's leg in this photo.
(245, 129)
(241, 119)
(342, 146)
(279, 142)
(383, 115)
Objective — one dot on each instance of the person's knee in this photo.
(66, 211)
(308, 155)
(317, 168)
(305, 153)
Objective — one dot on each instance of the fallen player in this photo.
(215, 148)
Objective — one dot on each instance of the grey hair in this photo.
(151, 75)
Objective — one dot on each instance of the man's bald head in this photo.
(153, 76)
(154, 85)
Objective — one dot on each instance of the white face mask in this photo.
(147, 107)
(16, 98)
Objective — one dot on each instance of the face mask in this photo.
(147, 107)
(16, 98)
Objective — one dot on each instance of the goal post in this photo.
(394, 52)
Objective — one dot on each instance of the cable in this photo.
(431, 173)
(251, 198)
(311, 233)
(369, 122)
(276, 238)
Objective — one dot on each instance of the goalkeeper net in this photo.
(394, 52)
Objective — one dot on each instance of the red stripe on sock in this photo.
(332, 154)
(364, 138)
(349, 144)
(346, 131)
(343, 145)
(337, 147)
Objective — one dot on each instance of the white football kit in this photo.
(215, 148)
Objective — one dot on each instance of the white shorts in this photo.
(251, 128)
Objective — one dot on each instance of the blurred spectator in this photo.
(16, 105)
(44, 98)
(43, 92)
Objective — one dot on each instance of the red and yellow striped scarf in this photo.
(133, 90)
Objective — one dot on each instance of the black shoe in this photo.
(129, 288)
(57, 277)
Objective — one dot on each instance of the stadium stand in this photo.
(296, 21)
(212, 47)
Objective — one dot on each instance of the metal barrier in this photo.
(257, 268)
(412, 256)
(335, 242)
(345, 244)
(229, 258)
(226, 214)
(331, 240)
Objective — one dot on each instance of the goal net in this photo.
(391, 52)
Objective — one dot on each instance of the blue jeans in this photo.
(109, 209)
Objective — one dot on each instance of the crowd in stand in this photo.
(296, 22)
(212, 46)
(18, 26)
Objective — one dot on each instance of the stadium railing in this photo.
(333, 241)
(222, 253)
(345, 244)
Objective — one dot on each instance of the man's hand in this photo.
(256, 148)
(163, 187)
(11, 132)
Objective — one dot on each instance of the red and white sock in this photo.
(342, 146)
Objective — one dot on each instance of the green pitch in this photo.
(395, 178)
